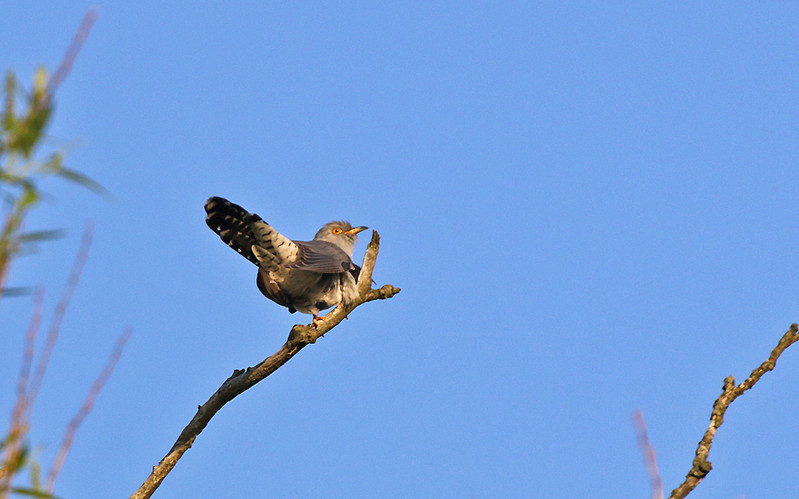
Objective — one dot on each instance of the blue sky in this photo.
(590, 209)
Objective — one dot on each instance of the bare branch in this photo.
(648, 451)
(241, 380)
(701, 466)
(85, 409)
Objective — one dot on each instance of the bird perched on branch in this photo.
(308, 276)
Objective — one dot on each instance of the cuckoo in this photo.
(305, 276)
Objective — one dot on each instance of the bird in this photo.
(304, 276)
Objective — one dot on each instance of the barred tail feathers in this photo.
(249, 235)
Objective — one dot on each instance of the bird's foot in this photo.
(318, 319)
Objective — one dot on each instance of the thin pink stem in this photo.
(72, 51)
(58, 315)
(648, 451)
(88, 403)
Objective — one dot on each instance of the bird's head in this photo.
(340, 233)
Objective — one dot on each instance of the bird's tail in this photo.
(233, 224)
(248, 234)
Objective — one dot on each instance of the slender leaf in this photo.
(83, 180)
(41, 235)
(14, 291)
(25, 491)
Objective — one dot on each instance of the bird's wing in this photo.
(321, 256)
(249, 235)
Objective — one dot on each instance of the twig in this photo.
(648, 451)
(20, 414)
(701, 466)
(20, 410)
(58, 315)
(72, 51)
(26, 395)
(85, 409)
(241, 380)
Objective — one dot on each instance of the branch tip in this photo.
(701, 466)
(375, 241)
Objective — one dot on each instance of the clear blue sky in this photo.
(590, 209)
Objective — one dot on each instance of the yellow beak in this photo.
(356, 230)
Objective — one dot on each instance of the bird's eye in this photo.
(337, 230)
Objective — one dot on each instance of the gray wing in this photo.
(321, 256)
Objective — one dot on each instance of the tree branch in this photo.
(241, 380)
(701, 466)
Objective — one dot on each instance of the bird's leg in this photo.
(318, 319)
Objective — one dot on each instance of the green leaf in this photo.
(9, 111)
(83, 180)
(32, 492)
(55, 164)
(29, 197)
(41, 235)
(36, 475)
(13, 291)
